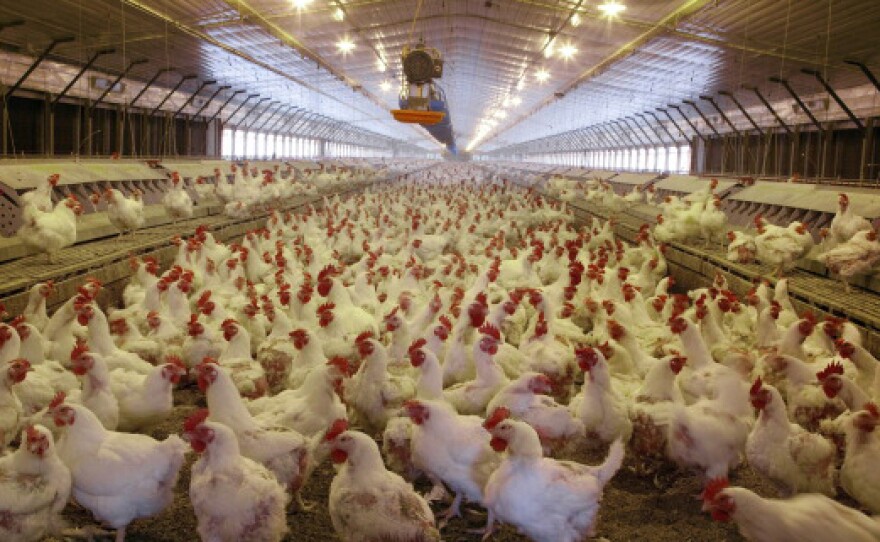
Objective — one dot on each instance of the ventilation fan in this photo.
(421, 64)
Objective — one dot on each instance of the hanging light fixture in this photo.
(345, 45)
(339, 15)
(385, 85)
(300, 4)
(542, 75)
(567, 51)
(611, 8)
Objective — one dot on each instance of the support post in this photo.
(661, 125)
(866, 71)
(94, 57)
(39, 60)
(769, 107)
(249, 111)
(720, 112)
(672, 120)
(649, 141)
(688, 121)
(742, 110)
(116, 82)
(261, 114)
(282, 120)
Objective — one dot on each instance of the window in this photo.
(641, 165)
(250, 144)
(270, 146)
(684, 159)
(238, 143)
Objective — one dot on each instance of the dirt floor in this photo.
(633, 508)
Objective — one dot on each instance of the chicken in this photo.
(451, 448)
(146, 399)
(856, 256)
(846, 224)
(599, 407)
(786, 453)
(804, 518)
(526, 399)
(119, 477)
(51, 231)
(10, 406)
(176, 200)
(35, 311)
(367, 502)
(781, 247)
(373, 393)
(34, 488)
(39, 199)
(547, 500)
(309, 409)
(859, 476)
(741, 247)
(126, 214)
(289, 455)
(234, 498)
(473, 396)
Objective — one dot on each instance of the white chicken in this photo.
(178, 204)
(126, 214)
(51, 231)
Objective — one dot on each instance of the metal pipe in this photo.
(15, 86)
(702, 116)
(834, 95)
(98, 53)
(631, 136)
(742, 110)
(148, 85)
(233, 95)
(116, 82)
(211, 99)
(282, 120)
(275, 114)
(173, 90)
(285, 128)
(768, 106)
(657, 135)
(688, 121)
(193, 96)
(240, 106)
(866, 71)
(720, 112)
(797, 98)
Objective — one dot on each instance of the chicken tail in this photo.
(612, 463)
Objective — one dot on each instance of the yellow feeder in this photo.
(417, 116)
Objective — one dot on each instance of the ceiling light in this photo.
(385, 85)
(520, 84)
(339, 15)
(575, 20)
(516, 100)
(500, 113)
(548, 49)
(345, 45)
(542, 75)
(567, 51)
(611, 8)
(300, 4)
(380, 65)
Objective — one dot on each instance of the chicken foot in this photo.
(87, 532)
(454, 510)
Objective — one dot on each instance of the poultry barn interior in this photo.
(420, 270)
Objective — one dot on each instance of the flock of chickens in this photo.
(450, 327)
(848, 246)
(48, 227)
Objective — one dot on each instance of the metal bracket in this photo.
(797, 98)
(648, 135)
(866, 71)
(768, 106)
(261, 114)
(720, 112)
(193, 96)
(271, 118)
(672, 120)
(281, 120)
(98, 53)
(36, 63)
(211, 99)
(148, 85)
(702, 116)
(248, 113)
(222, 107)
(742, 110)
(688, 121)
(116, 82)
(184, 79)
(291, 120)
(834, 95)
(660, 124)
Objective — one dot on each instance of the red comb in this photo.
(340, 363)
(492, 331)
(337, 428)
(418, 343)
(195, 420)
(363, 337)
(756, 387)
(228, 322)
(175, 360)
(833, 368)
(209, 360)
(713, 487)
(326, 307)
(872, 409)
(81, 348)
(57, 400)
(447, 323)
(498, 415)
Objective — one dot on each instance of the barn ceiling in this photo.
(594, 67)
